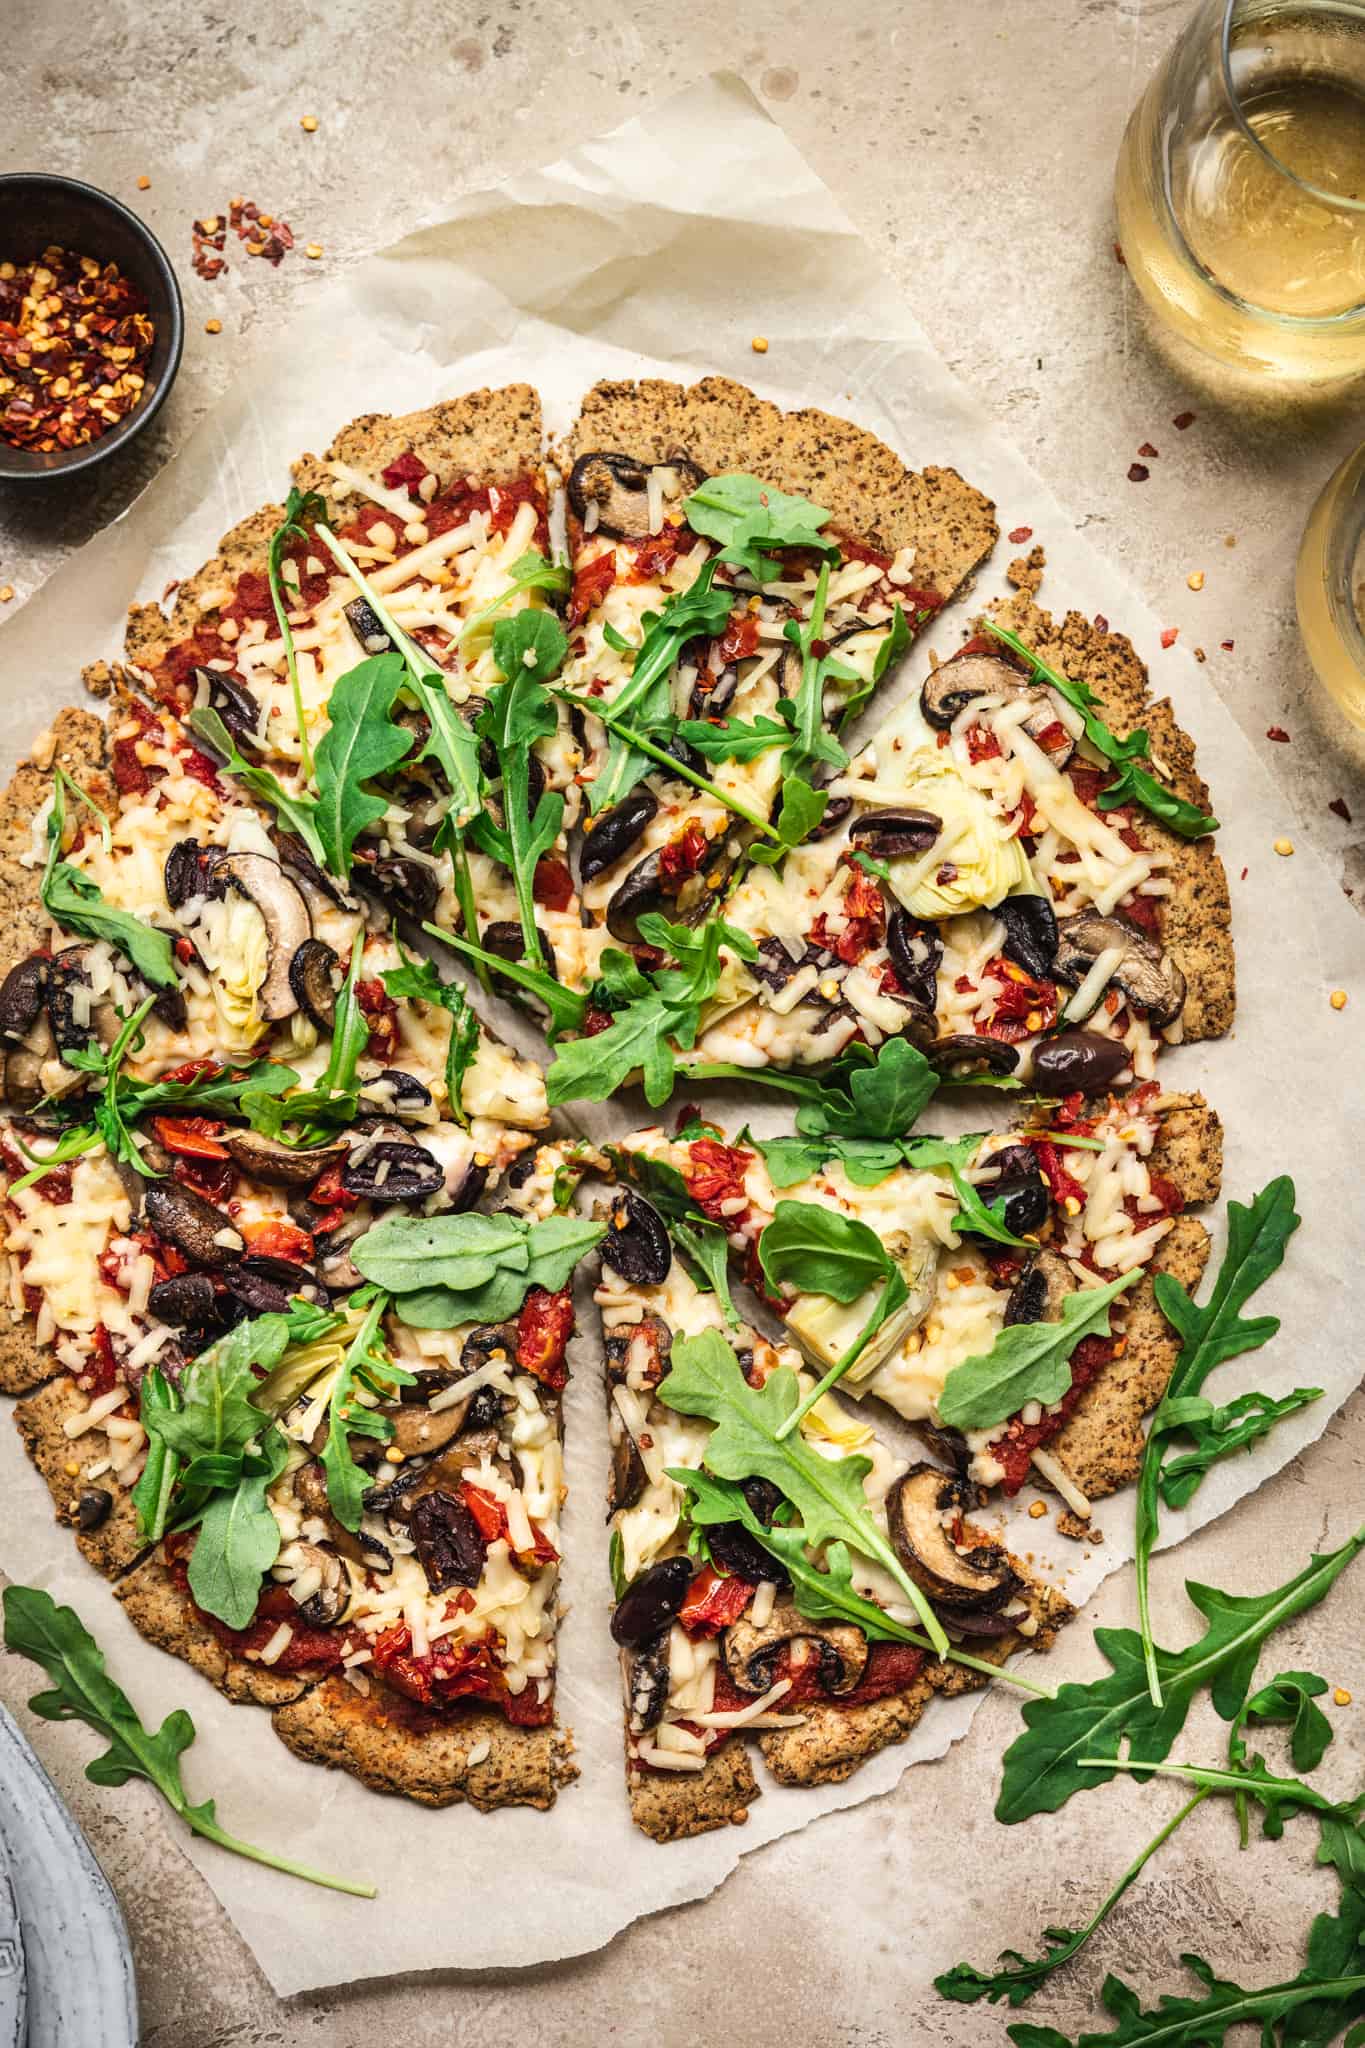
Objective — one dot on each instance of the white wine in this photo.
(1255, 249)
(1329, 588)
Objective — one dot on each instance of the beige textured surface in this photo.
(974, 146)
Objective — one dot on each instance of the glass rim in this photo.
(1337, 200)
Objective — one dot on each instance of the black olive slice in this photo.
(636, 1244)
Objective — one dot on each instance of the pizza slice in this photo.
(782, 1593)
(1010, 885)
(942, 1260)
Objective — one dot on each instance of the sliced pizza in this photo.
(920, 1271)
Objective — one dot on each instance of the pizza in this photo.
(288, 1243)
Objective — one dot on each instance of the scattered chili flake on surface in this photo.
(213, 327)
(1338, 806)
(759, 344)
(1101, 623)
(1229, 540)
(1183, 420)
(1195, 579)
(1138, 472)
(1245, 872)
(144, 183)
(1284, 847)
(7, 593)
(264, 234)
(309, 124)
(1119, 256)
(1148, 450)
(1020, 534)
(1277, 732)
(75, 340)
(1227, 645)
(1169, 636)
(1338, 999)
(1199, 654)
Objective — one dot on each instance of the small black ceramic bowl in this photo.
(37, 210)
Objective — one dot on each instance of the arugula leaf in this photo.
(1042, 1767)
(300, 506)
(866, 1161)
(449, 1270)
(802, 808)
(361, 741)
(704, 1244)
(332, 1104)
(530, 571)
(825, 1252)
(751, 518)
(1203, 2022)
(813, 745)
(733, 740)
(533, 641)
(299, 813)
(367, 1365)
(1288, 1700)
(239, 1538)
(1134, 784)
(891, 650)
(881, 1100)
(748, 1442)
(700, 612)
(517, 715)
(418, 981)
(1027, 1361)
(616, 1565)
(76, 903)
(980, 1218)
(1016, 1983)
(1218, 1432)
(1249, 1781)
(1210, 1336)
(82, 1690)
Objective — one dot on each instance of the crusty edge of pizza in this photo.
(160, 1610)
(1197, 923)
(868, 489)
(481, 1759)
(496, 435)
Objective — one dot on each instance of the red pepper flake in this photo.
(1138, 472)
(1277, 732)
(1183, 420)
(264, 234)
(1119, 256)
(1227, 645)
(75, 339)
(1245, 873)
(1019, 535)
(1101, 623)
(1149, 451)
(1341, 809)
(1169, 636)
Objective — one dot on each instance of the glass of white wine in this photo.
(1241, 187)
(1329, 587)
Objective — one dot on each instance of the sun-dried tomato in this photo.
(277, 1238)
(859, 934)
(982, 744)
(101, 1375)
(452, 1669)
(682, 856)
(76, 337)
(1060, 1183)
(1022, 1005)
(191, 1137)
(552, 885)
(1014, 1447)
(863, 896)
(590, 585)
(380, 1012)
(656, 554)
(595, 1021)
(405, 472)
(714, 1600)
(740, 638)
(715, 1176)
(543, 1331)
(327, 1191)
(1146, 912)
(132, 777)
(214, 1179)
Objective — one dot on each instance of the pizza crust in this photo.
(39, 1419)
(869, 491)
(1197, 920)
(671, 1808)
(337, 1726)
(160, 1610)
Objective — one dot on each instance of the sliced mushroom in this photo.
(21, 997)
(1030, 933)
(267, 1286)
(409, 887)
(232, 700)
(418, 1433)
(953, 685)
(836, 813)
(295, 856)
(648, 1680)
(647, 887)
(332, 1256)
(288, 924)
(752, 1654)
(314, 976)
(192, 1225)
(1144, 973)
(365, 622)
(922, 1509)
(612, 834)
(191, 1302)
(617, 488)
(897, 830)
(329, 1599)
(281, 1166)
(392, 1172)
(93, 1509)
(637, 1244)
(1037, 1295)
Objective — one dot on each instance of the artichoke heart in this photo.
(977, 859)
(825, 1329)
(235, 946)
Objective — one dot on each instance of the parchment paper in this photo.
(660, 250)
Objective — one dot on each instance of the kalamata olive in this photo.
(409, 887)
(636, 1244)
(915, 951)
(735, 1550)
(21, 996)
(651, 885)
(471, 1185)
(67, 972)
(1020, 1186)
(92, 1509)
(648, 1681)
(615, 831)
(485, 1410)
(686, 756)
(963, 1054)
(1030, 933)
(628, 1475)
(365, 622)
(896, 830)
(506, 938)
(394, 1172)
(394, 1093)
(190, 1300)
(267, 1286)
(774, 966)
(233, 702)
(188, 871)
(1078, 1060)
(450, 1547)
(650, 1603)
(834, 815)
(713, 693)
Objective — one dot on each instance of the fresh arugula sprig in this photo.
(367, 1368)
(752, 520)
(417, 981)
(1210, 1336)
(445, 1271)
(812, 747)
(653, 1015)
(732, 739)
(1042, 1765)
(891, 649)
(77, 904)
(82, 1690)
(822, 1251)
(749, 1441)
(332, 1104)
(824, 1591)
(866, 1161)
(530, 571)
(301, 509)
(1234, 1427)
(528, 648)
(567, 1008)
(652, 750)
(861, 1094)
(702, 1242)
(1027, 1361)
(296, 809)
(1135, 784)
(1203, 2022)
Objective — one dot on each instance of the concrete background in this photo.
(974, 145)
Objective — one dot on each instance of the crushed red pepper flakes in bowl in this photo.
(75, 340)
